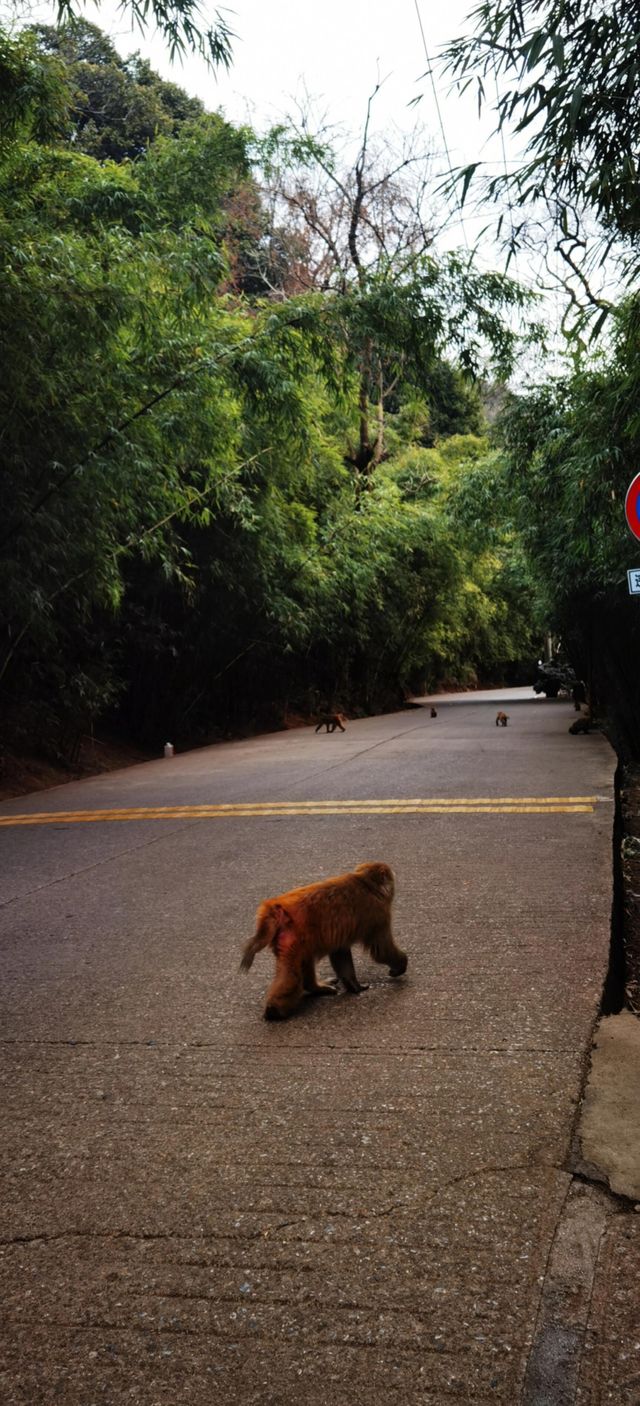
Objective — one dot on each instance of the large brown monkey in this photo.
(324, 920)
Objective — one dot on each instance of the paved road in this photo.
(359, 1206)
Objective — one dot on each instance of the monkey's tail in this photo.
(266, 931)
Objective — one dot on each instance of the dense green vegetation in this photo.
(572, 448)
(245, 468)
(227, 500)
(568, 78)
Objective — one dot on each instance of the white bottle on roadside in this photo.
(169, 749)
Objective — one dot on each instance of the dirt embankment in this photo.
(25, 772)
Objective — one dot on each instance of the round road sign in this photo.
(632, 506)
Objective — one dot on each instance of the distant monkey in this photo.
(502, 719)
(434, 713)
(324, 920)
(331, 721)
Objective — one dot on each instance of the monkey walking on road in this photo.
(331, 721)
(502, 719)
(324, 920)
(434, 713)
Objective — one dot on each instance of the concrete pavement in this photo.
(373, 1203)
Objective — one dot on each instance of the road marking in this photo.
(480, 805)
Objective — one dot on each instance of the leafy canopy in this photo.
(182, 23)
(565, 75)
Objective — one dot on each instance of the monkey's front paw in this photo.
(399, 967)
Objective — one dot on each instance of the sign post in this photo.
(632, 514)
(632, 506)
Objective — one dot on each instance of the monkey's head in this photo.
(379, 877)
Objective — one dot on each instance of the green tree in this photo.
(119, 105)
(571, 447)
(35, 90)
(110, 430)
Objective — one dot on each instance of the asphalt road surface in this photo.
(356, 1206)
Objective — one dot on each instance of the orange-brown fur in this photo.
(324, 920)
(331, 721)
(502, 719)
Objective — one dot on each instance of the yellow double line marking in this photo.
(477, 805)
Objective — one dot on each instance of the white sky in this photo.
(336, 50)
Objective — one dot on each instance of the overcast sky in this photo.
(335, 50)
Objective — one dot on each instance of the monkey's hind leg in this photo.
(286, 990)
(342, 963)
(313, 987)
(383, 949)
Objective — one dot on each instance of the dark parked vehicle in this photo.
(553, 676)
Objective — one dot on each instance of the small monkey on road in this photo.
(331, 721)
(324, 920)
(502, 719)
